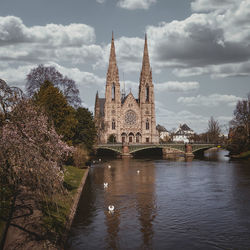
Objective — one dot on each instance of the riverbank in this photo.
(50, 220)
(243, 155)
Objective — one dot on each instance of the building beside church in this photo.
(123, 118)
(183, 134)
(164, 135)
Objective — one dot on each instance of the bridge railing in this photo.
(133, 147)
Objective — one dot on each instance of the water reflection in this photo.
(203, 204)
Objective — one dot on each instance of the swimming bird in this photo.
(111, 208)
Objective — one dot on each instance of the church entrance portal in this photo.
(131, 137)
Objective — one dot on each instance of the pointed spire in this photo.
(112, 58)
(97, 106)
(145, 60)
(97, 102)
(96, 97)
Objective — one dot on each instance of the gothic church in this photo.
(123, 118)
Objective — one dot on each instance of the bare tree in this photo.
(242, 116)
(40, 74)
(214, 130)
(9, 98)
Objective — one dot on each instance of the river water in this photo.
(203, 204)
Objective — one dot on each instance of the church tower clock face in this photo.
(130, 117)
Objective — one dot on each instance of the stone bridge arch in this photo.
(201, 148)
(167, 149)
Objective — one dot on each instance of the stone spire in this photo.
(97, 106)
(112, 69)
(146, 70)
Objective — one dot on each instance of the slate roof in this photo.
(185, 127)
(161, 128)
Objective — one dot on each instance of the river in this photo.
(168, 204)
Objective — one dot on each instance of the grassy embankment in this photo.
(56, 212)
(243, 155)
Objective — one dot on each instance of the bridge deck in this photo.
(118, 147)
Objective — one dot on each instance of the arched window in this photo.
(131, 137)
(147, 93)
(138, 137)
(113, 91)
(113, 124)
(147, 125)
(124, 136)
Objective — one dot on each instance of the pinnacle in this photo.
(96, 99)
(112, 58)
(145, 61)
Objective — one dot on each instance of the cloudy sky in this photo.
(199, 50)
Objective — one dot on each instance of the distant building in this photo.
(163, 133)
(183, 134)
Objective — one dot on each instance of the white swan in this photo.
(105, 184)
(111, 208)
(109, 166)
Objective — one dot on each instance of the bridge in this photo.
(127, 150)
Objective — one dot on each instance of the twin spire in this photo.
(145, 61)
(112, 58)
(145, 71)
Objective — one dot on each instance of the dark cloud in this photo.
(196, 41)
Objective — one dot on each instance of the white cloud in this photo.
(87, 82)
(218, 71)
(171, 119)
(135, 4)
(12, 30)
(211, 5)
(15, 76)
(198, 40)
(129, 53)
(198, 122)
(205, 40)
(174, 86)
(72, 43)
(209, 101)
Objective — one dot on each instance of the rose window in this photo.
(130, 117)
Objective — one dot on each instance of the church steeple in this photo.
(146, 84)
(146, 70)
(112, 69)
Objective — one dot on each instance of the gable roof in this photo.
(185, 127)
(126, 97)
(161, 128)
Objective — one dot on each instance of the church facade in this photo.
(123, 118)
